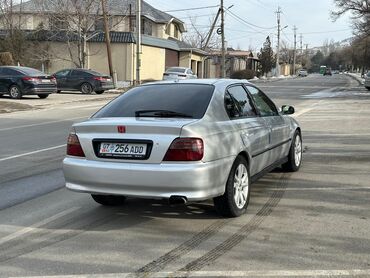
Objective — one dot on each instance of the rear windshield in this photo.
(182, 70)
(188, 99)
(31, 72)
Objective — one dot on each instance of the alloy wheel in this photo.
(297, 150)
(241, 184)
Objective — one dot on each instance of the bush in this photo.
(6, 59)
(243, 74)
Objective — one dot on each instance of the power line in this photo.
(241, 21)
(256, 26)
(192, 9)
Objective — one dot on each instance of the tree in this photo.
(266, 57)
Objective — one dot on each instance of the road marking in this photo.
(44, 123)
(37, 225)
(308, 109)
(269, 273)
(33, 152)
(323, 188)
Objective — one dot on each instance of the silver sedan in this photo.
(178, 73)
(184, 141)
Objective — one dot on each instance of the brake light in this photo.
(73, 146)
(185, 149)
(31, 79)
(100, 78)
(54, 80)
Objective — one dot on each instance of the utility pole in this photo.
(295, 48)
(138, 41)
(278, 12)
(306, 53)
(211, 30)
(107, 39)
(223, 68)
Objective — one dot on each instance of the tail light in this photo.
(31, 79)
(100, 78)
(53, 79)
(73, 146)
(185, 149)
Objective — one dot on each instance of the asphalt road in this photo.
(313, 223)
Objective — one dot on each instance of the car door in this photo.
(279, 127)
(253, 129)
(7, 78)
(76, 78)
(2, 82)
(62, 79)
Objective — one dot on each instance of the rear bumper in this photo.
(39, 91)
(104, 86)
(196, 181)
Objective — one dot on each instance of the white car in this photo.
(367, 81)
(187, 140)
(178, 73)
(302, 72)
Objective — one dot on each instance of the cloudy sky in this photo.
(312, 19)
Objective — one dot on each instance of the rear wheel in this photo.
(235, 200)
(86, 88)
(295, 154)
(59, 91)
(368, 88)
(109, 200)
(15, 92)
(99, 92)
(43, 96)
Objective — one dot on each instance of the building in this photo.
(70, 34)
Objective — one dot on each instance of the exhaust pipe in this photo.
(177, 200)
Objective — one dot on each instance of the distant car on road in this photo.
(327, 72)
(20, 81)
(367, 81)
(302, 73)
(178, 73)
(83, 80)
(187, 140)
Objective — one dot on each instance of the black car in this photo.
(83, 80)
(19, 81)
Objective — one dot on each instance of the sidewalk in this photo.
(357, 77)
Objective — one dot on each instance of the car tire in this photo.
(43, 96)
(99, 92)
(86, 88)
(109, 200)
(234, 201)
(368, 88)
(15, 92)
(295, 154)
(59, 91)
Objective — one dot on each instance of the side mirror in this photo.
(287, 110)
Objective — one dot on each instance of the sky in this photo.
(311, 17)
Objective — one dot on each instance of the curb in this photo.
(357, 78)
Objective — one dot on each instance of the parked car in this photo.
(19, 81)
(186, 140)
(327, 72)
(302, 73)
(367, 81)
(83, 80)
(178, 73)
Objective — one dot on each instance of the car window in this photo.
(188, 99)
(264, 105)
(80, 73)
(181, 70)
(189, 71)
(62, 73)
(31, 71)
(7, 71)
(237, 103)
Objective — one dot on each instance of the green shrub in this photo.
(243, 74)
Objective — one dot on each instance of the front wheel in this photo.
(295, 154)
(234, 201)
(109, 200)
(86, 88)
(43, 96)
(15, 92)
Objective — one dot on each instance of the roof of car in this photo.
(213, 81)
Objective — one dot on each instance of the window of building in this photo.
(176, 33)
(146, 27)
(58, 23)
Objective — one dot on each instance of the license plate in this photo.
(124, 150)
(45, 81)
